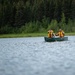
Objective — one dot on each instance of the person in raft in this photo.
(50, 33)
(60, 33)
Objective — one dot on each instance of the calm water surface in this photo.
(34, 56)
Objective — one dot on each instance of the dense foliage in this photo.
(24, 16)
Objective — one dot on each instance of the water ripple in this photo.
(34, 56)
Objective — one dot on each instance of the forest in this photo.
(31, 16)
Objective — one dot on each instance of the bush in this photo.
(30, 27)
(53, 25)
(6, 29)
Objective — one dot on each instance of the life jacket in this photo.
(60, 34)
(50, 33)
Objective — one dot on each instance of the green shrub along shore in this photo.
(33, 28)
(29, 35)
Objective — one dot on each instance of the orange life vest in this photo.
(61, 34)
(50, 33)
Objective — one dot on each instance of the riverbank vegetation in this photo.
(36, 16)
(29, 35)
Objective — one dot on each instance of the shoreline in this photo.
(29, 35)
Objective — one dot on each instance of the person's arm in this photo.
(63, 33)
(56, 34)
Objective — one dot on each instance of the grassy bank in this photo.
(70, 34)
(22, 35)
(29, 35)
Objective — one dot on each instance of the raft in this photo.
(55, 39)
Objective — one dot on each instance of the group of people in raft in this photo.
(60, 33)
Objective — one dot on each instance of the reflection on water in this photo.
(34, 56)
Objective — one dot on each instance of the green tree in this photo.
(53, 25)
(19, 16)
(62, 23)
(73, 9)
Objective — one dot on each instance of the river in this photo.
(34, 56)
